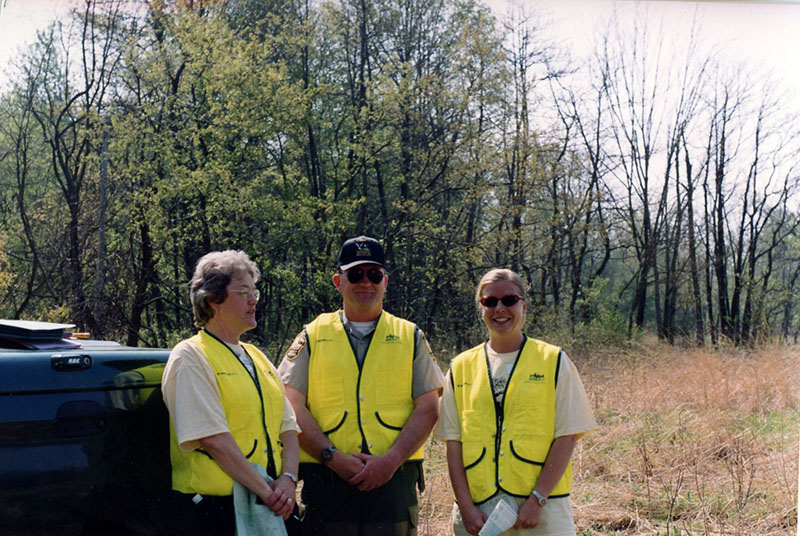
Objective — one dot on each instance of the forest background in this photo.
(648, 187)
(647, 195)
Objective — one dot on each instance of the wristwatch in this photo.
(290, 476)
(326, 454)
(539, 497)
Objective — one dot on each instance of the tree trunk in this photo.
(699, 328)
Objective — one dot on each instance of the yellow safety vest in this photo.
(253, 411)
(505, 450)
(135, 387)
(367, 406)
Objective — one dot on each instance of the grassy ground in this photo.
(690, 442)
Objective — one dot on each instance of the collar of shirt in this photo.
(359, 330)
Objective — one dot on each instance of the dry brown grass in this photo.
(689, 442)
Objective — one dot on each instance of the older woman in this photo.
(512, 411)
(227, 405)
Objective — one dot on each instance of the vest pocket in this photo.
(255, 445)
(390, 426)
(526, 452)
(464, 456)
(330, 420)
(479, 470)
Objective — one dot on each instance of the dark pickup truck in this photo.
(84, 434)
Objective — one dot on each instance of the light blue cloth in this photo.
(255, 519)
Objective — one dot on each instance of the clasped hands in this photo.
(365, 470)
(281, 500)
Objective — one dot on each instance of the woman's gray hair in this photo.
(500, 274)
(211, 277)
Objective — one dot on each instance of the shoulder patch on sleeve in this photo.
(297, 345)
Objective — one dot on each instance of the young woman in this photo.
(512, 410)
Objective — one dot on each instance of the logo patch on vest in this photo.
(392, 338)
(297, 345)
(536, 378)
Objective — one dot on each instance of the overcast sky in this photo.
(759, 33)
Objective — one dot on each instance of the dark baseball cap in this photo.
(361, 250)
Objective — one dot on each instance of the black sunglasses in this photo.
(508, 301)
(375, 275)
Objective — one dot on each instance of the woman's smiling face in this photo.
(503, 321)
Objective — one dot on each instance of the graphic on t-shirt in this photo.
(499, 388)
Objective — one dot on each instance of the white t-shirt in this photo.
(192, 397)
(573, 416)
(362, 328)
(246, 360)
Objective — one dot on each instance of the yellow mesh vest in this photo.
(245, 409)
(371, 405)
(508, 455)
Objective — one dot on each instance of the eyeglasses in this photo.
(507, 301)
(375, 275)
(247, 294)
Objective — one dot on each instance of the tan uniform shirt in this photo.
(426, 375)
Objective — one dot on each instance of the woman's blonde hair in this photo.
(499, 274)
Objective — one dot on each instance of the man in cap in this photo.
(365, 389)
